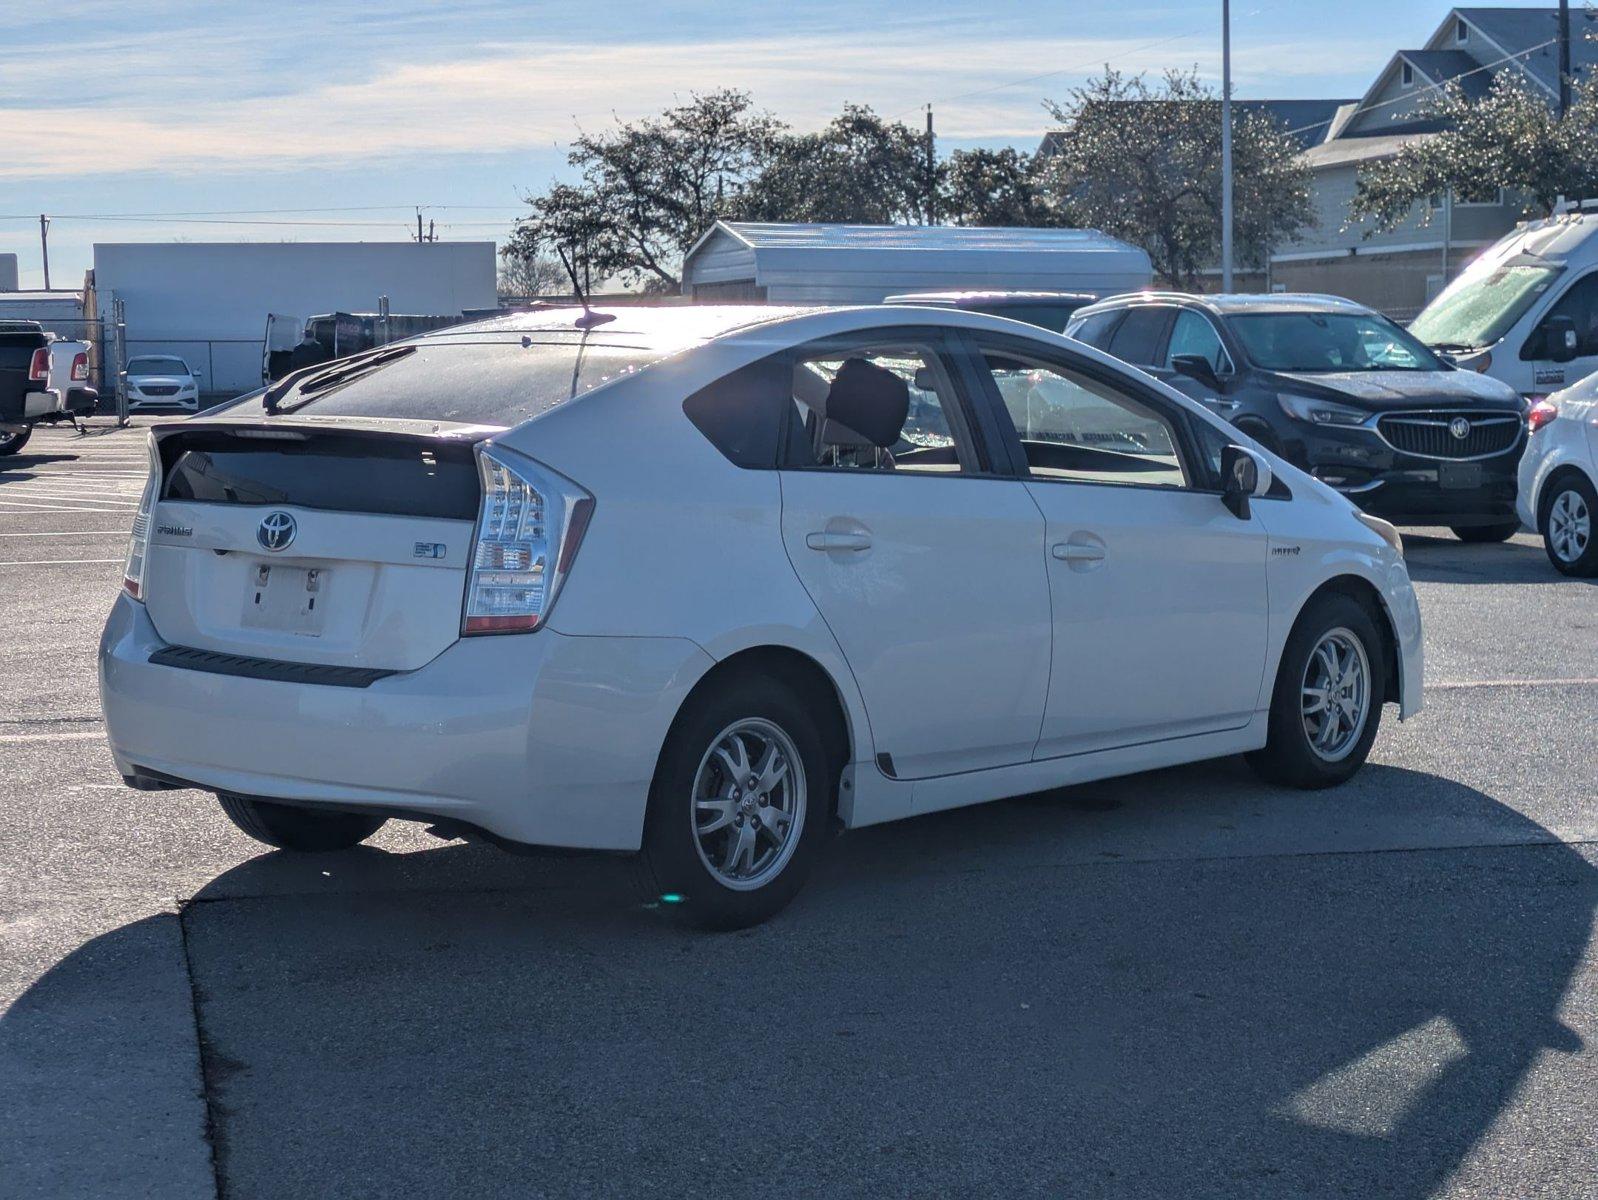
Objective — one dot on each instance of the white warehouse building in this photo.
(207, 302)
(754, 262)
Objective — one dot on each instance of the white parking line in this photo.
(56, 562)
(119, 532)
(78, 736)
(1510, 683)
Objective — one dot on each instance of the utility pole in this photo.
(1564, 56)
(419, 238)
(1226, 145)
(932, 174)
(44, 247)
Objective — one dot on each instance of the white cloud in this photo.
(528, 95)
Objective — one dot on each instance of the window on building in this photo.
(1407, 74)
(1461, 30)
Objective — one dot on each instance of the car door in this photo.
(1580, 303)
(926, 564)
(1158, 591)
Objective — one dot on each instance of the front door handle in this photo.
(1077, 552)
(831, 540)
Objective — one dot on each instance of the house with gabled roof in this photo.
(1400, 269)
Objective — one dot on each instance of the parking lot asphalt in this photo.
(1184, 983)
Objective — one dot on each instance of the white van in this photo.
(1526, 310)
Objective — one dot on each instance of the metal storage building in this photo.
(863, 264)
(208, 301)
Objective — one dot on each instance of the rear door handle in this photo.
(828, 540)
(1077, 552)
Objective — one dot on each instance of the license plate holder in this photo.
(287, 599)
(1459, 475)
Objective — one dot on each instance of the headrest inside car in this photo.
(870, 400)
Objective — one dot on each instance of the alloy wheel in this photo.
(1569, 525)
(749, 800)
(1336, 694)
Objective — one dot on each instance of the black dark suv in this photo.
(1337, 390)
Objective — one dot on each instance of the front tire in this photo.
(1327, 703)
(1477, 534)
(289, 827)
(740, 805)
(1569, 525)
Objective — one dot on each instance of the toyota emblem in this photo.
(276, 531)
(1459, 427)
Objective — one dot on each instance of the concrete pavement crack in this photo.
(207, 1059)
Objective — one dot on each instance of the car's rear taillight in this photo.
(529, 529)
(1540, 414)
(80, 368)
(39, 365)
(139, 543)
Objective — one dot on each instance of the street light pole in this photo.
(44, 247)
(1564, 56)
(1226, 145)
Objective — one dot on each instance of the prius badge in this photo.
(276, 531)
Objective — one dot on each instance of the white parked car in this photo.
(1558, 494)
(702, 582)
(162, 381)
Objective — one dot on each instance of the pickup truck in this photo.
(43, 378)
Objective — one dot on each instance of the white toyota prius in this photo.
(704, 583)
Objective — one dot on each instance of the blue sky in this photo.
(130, 107)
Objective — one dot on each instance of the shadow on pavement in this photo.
(952, 1007)
(1445, 560)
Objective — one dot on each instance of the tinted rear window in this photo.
(1095, 329)
(1137, 339)
(338, 472)
(475, 382)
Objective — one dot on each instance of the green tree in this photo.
(859, 169)
(994, 187)
(1511, 137)
(649, 188)
(1143, 162)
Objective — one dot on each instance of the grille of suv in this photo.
(1432, 433)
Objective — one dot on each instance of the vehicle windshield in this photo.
(1476, 311)
(1329, 341)
(157, 366)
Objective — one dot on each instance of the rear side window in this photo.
(475, 382)
(1095, 329)
(1137, 339)
(742, 413)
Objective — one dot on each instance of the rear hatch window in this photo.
(472, 381)
(400, 476)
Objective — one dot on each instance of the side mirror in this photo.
(1196, 366)
(1244, 476)
(1559, 338)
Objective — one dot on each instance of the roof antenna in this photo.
(590, 318)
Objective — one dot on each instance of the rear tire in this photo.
(720, 852)
(10, 443)
(1336, 650)
(290, 827)
(1501, 532)
(1569, 525)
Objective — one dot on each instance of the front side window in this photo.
(880, 406)
(1078, 429)
(1193, 334)
(1580, 304)
(1329, 341)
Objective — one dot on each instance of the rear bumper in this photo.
(541, 738)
